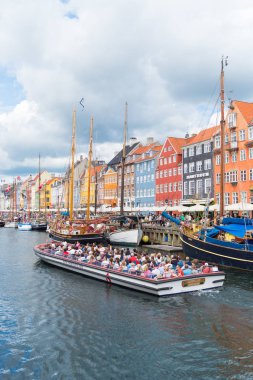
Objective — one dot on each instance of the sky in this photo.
(161, 56)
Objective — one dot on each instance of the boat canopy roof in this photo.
(242, 221)
(237, 230)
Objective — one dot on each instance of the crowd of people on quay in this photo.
(154, 265)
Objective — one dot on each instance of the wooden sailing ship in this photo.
(71, 229)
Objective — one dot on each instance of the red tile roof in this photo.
(246, 110)
(204, 135)
(177, 143)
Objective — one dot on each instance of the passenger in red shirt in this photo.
(206, 268)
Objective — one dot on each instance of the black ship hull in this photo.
(2, 223)
(217, 253)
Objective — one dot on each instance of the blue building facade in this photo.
(145, 168)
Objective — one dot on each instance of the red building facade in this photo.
(169, 173)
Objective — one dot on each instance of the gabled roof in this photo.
(147, 157)
(204, 135)
(246, 110)
(177, 143)
(117, 159)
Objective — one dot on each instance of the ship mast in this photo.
(73, 148)
(39, 184)
(89, 170)
(123, 164)
(222, 134)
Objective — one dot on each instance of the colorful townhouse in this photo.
(238, 156)
(129, 172)
(145, 183)
(169, 173)
(94, 173)
(110, 187)
(116, 164)
(198, 165)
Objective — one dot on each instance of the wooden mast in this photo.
(89, 170)
(71, 185)
(123, 164)
(39, 184)
(222, 134)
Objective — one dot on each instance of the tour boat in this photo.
(25, 226)
(39, 225)
(163, 287)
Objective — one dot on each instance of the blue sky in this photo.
(162, 57)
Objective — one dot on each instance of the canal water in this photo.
(59, 325)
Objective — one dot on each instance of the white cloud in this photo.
(162, 57)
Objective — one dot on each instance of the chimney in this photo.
(132, 140)
(187, 135)
(150, 140)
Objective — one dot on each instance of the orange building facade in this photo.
(238, 156)
(110, 187)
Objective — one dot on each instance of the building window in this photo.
(242, 155)
(191, 167)
(157, 174)
(242, 135)
(207, 147)
(207, 164)
(185, 188)
(174, 157)
(217, 196)
(250, 133)
(232, 120)
(226, 158)
(217, 178)
(170, 187)
(234, 156)
(198, 166)
(243, 175)
(165, 173)
(233, 176)
(165, 161)
(243, 196)
(169, 160)
(179, 170)
(175, 171)
(199, 149)
(166, 188)
(180, 186)
(161, 188)
(191, 187)
(185, 152)
(191, 151)
(234, 198)
(175, 186)
(185, 168)
(207, 185)
(251, 153)
(170, 172)
(251, 174)
(227, 177)
(161, 174)
(218, 159)
(217, 141)
(226, 138)
(233, 136)
(161, 161)
(199, 187)
(227, 196)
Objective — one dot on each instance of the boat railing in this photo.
(134, 274)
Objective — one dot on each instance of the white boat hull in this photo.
(162, 287)
(11, 225)
(126, 237)
(25, 226)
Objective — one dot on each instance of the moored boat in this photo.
(126, 236)
(39, 225)
(2, 223)
(12, 224)
(161, 287)
(25, 226)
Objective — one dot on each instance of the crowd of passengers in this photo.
(154, 265)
